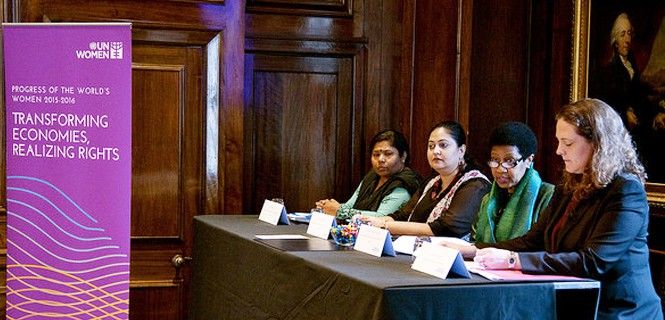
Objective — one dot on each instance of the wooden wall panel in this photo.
(556, 88)
(538, 116)
(304, 7)
(265, 25)
(160, 14)
(499, 70)
(389, 32)
(473, 63)
(482, 63)
(336, 58)
(435, 73)
(156, 164)
(148, 304)
(299, 129)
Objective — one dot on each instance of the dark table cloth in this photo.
(237, 277)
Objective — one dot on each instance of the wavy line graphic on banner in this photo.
(61, 262)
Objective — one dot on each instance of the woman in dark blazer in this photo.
(596, 224)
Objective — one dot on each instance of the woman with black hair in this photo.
(448, 203)
(387, 187)
(518, 195)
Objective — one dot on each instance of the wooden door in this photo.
(187, 102)
(168, 123)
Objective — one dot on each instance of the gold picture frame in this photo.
(580, 77)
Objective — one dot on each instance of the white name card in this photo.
(439, 261)
(274, 213)
(319, 225)
(374, 241)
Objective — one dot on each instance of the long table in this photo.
(237, 277)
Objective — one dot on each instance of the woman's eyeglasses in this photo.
(506, 164)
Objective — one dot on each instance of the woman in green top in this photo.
(518, 195)
(384, 189)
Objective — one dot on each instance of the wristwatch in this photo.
(512, 260)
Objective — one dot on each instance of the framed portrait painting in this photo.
(618, 56)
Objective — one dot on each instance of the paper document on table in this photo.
(281, 237)
(458, 241)
(302, 217)
(404, 244)
(514, 275)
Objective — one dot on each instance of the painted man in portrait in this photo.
(621, 85)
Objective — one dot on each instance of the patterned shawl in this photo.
(444, 203)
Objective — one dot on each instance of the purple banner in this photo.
(68, 142)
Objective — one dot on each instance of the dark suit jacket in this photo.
(613, 84)
(604, 239)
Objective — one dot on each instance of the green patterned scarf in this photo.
(520, 213)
